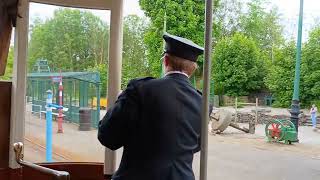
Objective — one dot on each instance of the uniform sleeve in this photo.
(114, 127)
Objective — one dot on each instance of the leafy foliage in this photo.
(183, 18)
(75, 40)
(310, 68)
(237, 67)
(9, 68)
(102, 69)
(135, 63)
(279, 79)
(227, 18)
(263, 26)
(72, 40)
(281, 76)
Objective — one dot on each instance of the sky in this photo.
(46, 11)
(289, 10)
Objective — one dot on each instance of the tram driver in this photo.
(158, 121)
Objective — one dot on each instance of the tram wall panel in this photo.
(5, 109)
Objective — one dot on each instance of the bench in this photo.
(268, 100)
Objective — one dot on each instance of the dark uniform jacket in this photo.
(157, 121)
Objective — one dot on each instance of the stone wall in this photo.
(263, 118)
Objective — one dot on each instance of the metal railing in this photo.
(256, 104)
(40, 110)
(56, 175)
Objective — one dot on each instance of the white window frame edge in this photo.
(18, 100)
(19, 80)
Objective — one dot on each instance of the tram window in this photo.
(66, 48)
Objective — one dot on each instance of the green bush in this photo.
(238, 67)
(280, 76)
(316, 102)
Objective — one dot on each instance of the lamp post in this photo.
(295, 106)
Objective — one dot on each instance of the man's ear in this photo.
(166, 61)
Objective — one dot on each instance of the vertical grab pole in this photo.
(49, 127)
(206, 91)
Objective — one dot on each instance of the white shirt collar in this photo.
(176, 72)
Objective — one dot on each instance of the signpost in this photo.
(49, 107)
(49, 127)
(58, 79)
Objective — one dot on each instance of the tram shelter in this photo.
(80, 89)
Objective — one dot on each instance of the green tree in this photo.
(72, 40)
(227, 18)
(75, 40)
(237, 67)
(263, 26)
(135, 62)
(9, 68)
(102, 69)
(310, 69)
(183, 18)
(279, 79)
(134, 59)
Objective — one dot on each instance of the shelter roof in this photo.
(92, 77)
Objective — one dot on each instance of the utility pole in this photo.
(295, 106)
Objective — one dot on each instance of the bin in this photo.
(85, 119)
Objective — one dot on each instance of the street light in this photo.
(295, 106)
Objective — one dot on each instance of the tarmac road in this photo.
(232, 156)
(234, 161)
(228, 161)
